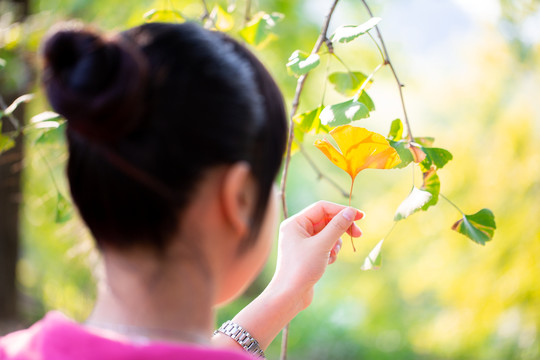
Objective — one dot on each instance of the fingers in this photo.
(338, 225)
(335, 251)
(321, 213)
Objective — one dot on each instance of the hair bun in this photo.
(97, 84)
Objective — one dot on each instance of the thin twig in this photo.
(366, 82)
(3, 106)
(399, 84)
(247, 13)
(319, 173)
(206, 18)
(296, 101)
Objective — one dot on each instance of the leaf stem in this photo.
(319, 173)
(368, 79)
(350, 198)
(342, 62)
(377, 45)
(389, 62)
(451, 203)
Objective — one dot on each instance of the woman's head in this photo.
(150, 111)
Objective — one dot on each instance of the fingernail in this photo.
(349, 214)
(338, 247)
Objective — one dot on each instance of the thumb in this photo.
(337, 226)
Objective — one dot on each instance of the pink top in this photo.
(56, 337)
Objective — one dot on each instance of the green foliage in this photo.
(343, 113)
(310, 121)
(52, 135)
(435, 157)
(478, 227)
(300, 63)
(404, 152)
(168, 15)
(374, 259)
(259, 31)
(63, 209)
(396, 131)
(347, 33)
(431, 184)
(416, 200)
(6, 143)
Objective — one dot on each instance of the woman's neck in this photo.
(143, 297)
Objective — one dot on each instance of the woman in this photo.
(175, 138)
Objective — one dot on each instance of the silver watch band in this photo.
(242, 337)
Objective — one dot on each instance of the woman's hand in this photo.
(308, 242)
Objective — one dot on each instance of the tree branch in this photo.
(387, 60)
(247, 13)
(296, 101)
(294, 108)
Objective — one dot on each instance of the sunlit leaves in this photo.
(402, 148)
(52, 135)
(301, 63)
(374, 259)
(21, 99)
(358, 149)
(309, 121)
(396, 130)
(222, 20)
(348, 83)
(6, 143)
(347, 33)
(344, 113)
(63, 209)
(432, 185)
(258, 32)
(169, 15)
(415, 201)
(44, 116)
(478, 227)
(436, 157)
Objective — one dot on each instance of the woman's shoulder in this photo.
(57, 337)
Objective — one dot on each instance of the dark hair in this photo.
(148, 111)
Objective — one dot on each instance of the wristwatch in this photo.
(242, 337)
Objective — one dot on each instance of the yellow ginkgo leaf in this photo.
(358, 149)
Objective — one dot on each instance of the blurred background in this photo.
(471, 71)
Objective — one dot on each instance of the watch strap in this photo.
(242, 337)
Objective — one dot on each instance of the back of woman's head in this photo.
(148, 111)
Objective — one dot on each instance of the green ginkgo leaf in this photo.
(431, 184)
(258, 32)
(6, 143)
(436, 157)
(347, 33)
(396, 130)
(155, 15)
(415, 201)
(309, 121)
(63, 209)
(343, 113)
(479, 227)
(52, 135)
(374, 259)
(301, 63)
